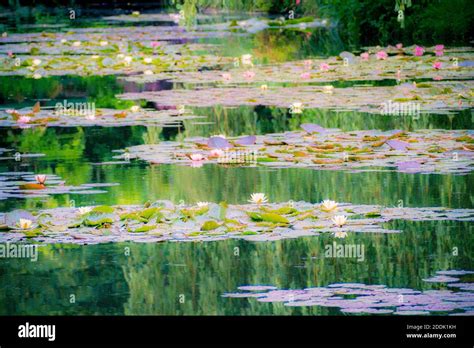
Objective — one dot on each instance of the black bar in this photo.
(240, 330)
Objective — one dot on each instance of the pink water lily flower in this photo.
(365, 56)
(24, 119)
(155, 44)
(216, 153)
(381, 55)
(399, 46)
(307, 63)
(40, 179)
(305, 75)
(419, 51)
(439, 50)
(437, 65)
(324, 67)
(249, 75)
(197, 157)
(227, 76)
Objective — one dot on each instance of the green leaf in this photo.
(281, 211)
(33, 233)
(248, 233)
(209, 225)
(132, 216)
(98, 220)
(255, 216)
(105, 209)
(268, 217)
(275, 218)
(144, 228)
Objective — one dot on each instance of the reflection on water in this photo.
(74, 154)
(190, 278)
(154, 276)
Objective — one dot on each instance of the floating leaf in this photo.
(209, 225)
(144, 228)
(313, 128)
(219, 143)
(248, 140)
(105, 209)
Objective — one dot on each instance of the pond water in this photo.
(142, 278)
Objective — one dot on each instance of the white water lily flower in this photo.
(63, 40)
(36, 62)
(25, 224)
(147, 60)
(263, 87)
(340, 234)
(128, 59)
(40, 179)
(202, 204)
(84, 210)
(120, 56)
(328, 205)
(95, 56)
(296, 108)
(37, 76)
(246, 59)
(197, 157)
(103, 43)
(258, 198)
(148, 72)
(136, 13)
(328, 89)
(339, 220)
(76, 43)
(135, 108)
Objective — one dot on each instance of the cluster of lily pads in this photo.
(10, 154)
(355, 298)
(29, 185)
(424, 151)
(435, 97)
(84, 115)
(101, 54)
(458, 64)
(257, 221)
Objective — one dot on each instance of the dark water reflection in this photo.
(74, 154)
(154, 276)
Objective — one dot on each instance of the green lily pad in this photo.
(209, 225)
(144, 228)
